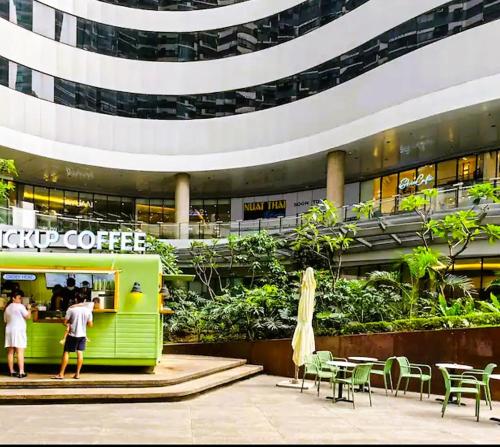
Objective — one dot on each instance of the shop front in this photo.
(124, 288)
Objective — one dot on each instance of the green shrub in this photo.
(417, 324)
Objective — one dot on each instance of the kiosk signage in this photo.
(73, 240)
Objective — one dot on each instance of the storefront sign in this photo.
(19, 277)
(420, 180)
(264, 210)
(73, 240)
(307, 203)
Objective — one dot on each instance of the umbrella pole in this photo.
(296, 375)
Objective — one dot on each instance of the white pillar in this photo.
(335, 177)
(182, 205)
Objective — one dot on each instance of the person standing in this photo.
(15, 316)
(77, 318)
(69, 294)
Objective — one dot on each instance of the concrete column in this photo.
(182, 205)
(335, 177)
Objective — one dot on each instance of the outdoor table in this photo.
(342, 364)
(495, 377)
(453, 368)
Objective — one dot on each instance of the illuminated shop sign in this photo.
(73, 240)
(307, 203)
(420, 180)
(264, 210)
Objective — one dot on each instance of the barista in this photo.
(86, 291)
(69, 294)
(57, 297)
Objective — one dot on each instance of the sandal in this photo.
(76, 377)
(57, 377)
(22, 375)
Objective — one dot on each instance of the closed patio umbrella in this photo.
(303, 337)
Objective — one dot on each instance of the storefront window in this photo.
(389, 190)
(41, 199)
(155, 211)
(169, 211)
(471, 268)
(426, 176)
(114, 207)
(488, 161)
(127, 208)
(71, 203)
(86, 202)
(100, 206)
(224, 210)
(56, 201)
(27, 193)
(447, 172)
(142, 209)
(407, 182)
(196, 211)
(210, 210)
(467, 169)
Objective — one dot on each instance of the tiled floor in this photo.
(252, 411)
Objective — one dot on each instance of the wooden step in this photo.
(128, 394)
(172, 369)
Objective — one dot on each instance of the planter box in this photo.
(476, 347)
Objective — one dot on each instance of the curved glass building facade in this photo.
(454, 17)
(175, 47)
(173, 5)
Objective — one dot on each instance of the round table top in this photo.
(453, 366)
(363, 359)
(495, 376)
(341, 363)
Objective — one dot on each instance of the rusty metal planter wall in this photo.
(475, 347)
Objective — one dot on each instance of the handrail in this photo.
(447, 199)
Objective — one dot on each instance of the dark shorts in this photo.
(73, 344)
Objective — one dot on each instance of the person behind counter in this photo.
(69, 294)
(78, 317)
(57, 299)
(15, 316)
(85, 290)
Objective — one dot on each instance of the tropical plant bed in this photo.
(472, 320)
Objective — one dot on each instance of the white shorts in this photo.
(15, 338)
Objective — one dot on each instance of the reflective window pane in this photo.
(447, 172)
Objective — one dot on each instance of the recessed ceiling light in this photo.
(388, 141)
(493, 125)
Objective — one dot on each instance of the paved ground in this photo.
(251, 411)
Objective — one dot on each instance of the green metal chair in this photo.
(385, 372)
(326, 356)
(313, 366)
(406, 372)
(360, 376)
(459, 390)
(484, 381)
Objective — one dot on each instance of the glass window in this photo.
(65, 29)
(426, 176)
(169, 211)
(156, 211)
(196, 213)
(367, 190)
(224, 210)
(41, 199)
(142, 210)
(4, 72)
(21, 13)
(389, 190)
(4, 9)
(71, 207)
(100, 206)
(86, 204)
(56, 201)
(210, 210)
(28, 193)
(127, 209)
(20, 78)
(407, 182)
(467, 169)
(447, 172)
(114, 207)
(489, 162)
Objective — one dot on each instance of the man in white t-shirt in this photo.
(77, 318)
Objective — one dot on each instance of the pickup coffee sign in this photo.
(264, 210)
(73, 240)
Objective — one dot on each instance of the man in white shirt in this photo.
(77, 318)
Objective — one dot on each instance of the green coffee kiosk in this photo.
(125, 289)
